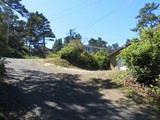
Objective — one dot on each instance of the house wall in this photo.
(116, 65)
(121, 66)
(93, 49)
(113, 61)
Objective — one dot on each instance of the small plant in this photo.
(150, 100)
(120, 77)
(130, 93)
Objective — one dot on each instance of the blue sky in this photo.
(109, 19)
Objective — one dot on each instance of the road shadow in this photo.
(36, 95)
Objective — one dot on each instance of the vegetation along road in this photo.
(33, 90)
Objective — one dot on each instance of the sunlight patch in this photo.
(34, 113)
(53, 104)
(77, 108)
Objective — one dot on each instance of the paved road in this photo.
(35, 92)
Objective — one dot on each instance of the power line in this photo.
(75, 11)
(46, 2)
(69, 9)
(106, 15)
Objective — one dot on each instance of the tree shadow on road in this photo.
(105, 84)
(36, 95)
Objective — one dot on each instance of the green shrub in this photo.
(71, 51)
(53, 55)
(143, 57)
(78, 56)
(88, 61)
(61, 62)
(101, 58)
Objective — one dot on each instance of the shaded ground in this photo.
(35, 92)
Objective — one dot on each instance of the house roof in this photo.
(95, 47)
(121, 48)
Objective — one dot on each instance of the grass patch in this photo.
(52, 55)
(62, 62)
(31, 57)
(119, 78)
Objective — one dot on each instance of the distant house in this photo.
(114, 64)
(93, 48)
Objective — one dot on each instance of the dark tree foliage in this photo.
(57, 46)
(97, 42)
(12, 32)
(115, 46)
(103, 44)
(147, 17)
(66, 40)
(16, 34)
(2, 66)
(17, 6)
(39, 29)
(72, 36)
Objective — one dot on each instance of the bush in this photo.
(61, 62)
(53, 55)
(76, 55)
(102, 59)
(143, 57)
(71, 51)
(88, 61)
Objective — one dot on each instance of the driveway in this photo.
(33, 90)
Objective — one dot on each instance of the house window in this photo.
(89, 49)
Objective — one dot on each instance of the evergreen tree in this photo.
(115, 46)
(72, 36)
(38, 30)
(147, 17)
(97, 42)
